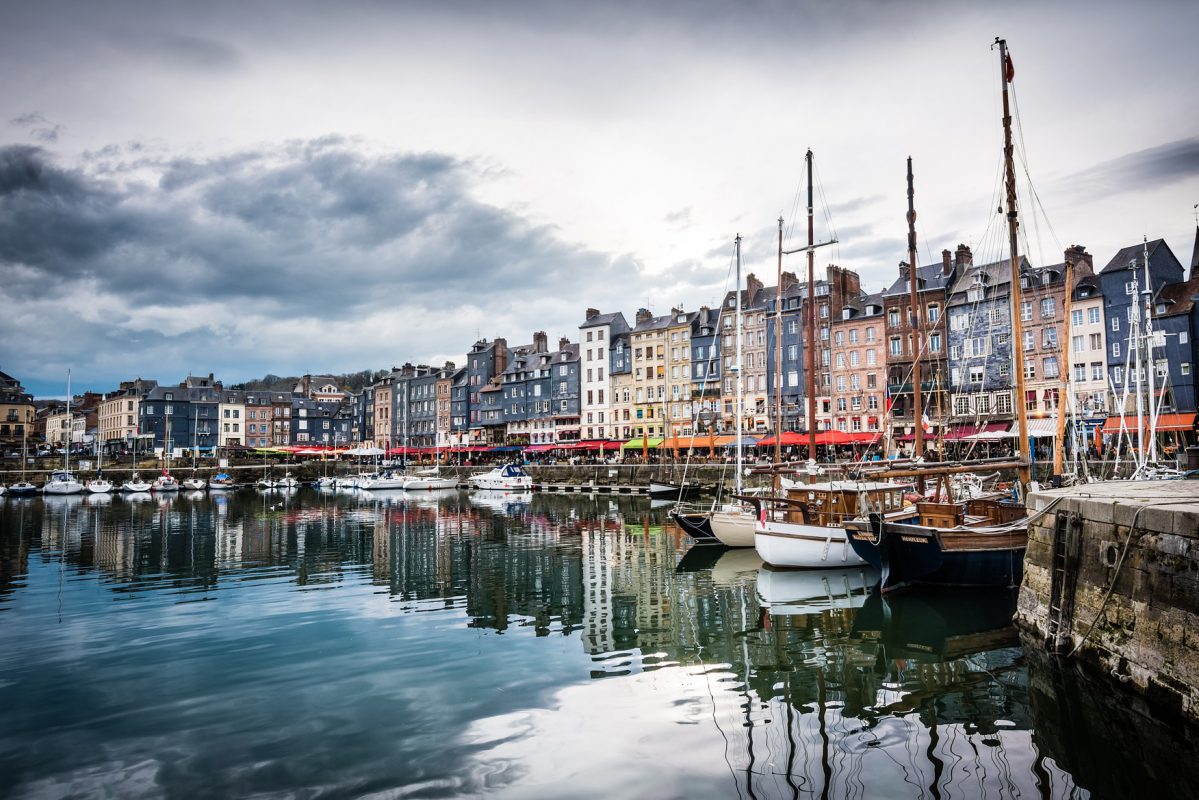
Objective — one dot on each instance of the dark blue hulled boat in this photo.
(978, 544)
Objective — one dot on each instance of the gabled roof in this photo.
(616, 320)
(1133, 253)
(654, 324)
(1178, 298)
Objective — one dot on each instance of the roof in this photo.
(999, 273)
(1133, 253)
(929, 277)
(654, 324)
(1179, 298)
(616, 320)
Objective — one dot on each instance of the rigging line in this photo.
(1027, 175)
(826, 210)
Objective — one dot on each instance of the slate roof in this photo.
(1132, 253)
(616, 320)
(1179, 298)
(931, 276)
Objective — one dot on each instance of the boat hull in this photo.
(914, 555)
(734, 528)
(812, 590)
(63, 487)
(22, 489)
(99, 487)
(696, 525)
(430, 484)
(138, 487)
(792, 545)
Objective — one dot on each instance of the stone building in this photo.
(859, 367)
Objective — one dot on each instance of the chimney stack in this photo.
(963, 257)
(540, 342)
(752, 287)
(1084, 262)
(643, 316)
(946, 262)
(592, 313)
(789, 281)
(563, 343)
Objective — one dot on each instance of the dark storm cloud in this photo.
(1145, 169)
(303, 224)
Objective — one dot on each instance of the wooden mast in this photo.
(914, 321)
(1063, 402)
(1005, 76)
(778, 355)
(811, 348)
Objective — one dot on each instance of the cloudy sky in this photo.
(291, 187)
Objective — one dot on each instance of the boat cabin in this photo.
(831, 503)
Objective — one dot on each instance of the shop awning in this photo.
(651, 443)
(1041, 428)
(541, 448)
(787, 439)
(1165, 422)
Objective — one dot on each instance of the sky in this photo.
(296, 187)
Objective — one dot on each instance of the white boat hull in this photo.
(63, 487)
(135, 486)
(375, 484)
(194, 484)
(165, 485)
(424, 484)
(98, 487)
(734, 528)
(810, 591)
(800, 546)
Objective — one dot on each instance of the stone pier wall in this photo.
(1129, 593)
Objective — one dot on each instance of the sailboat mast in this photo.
(1134, 338)
(1013, 247)
(66, 457)
(811, 348)
(914, 320)
(1147, 294)
(1063, 402)
(740, 390)
(778, 354)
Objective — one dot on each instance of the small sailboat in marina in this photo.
(165, 482)
(63, 481)
(98, 485)
(23, 488)
(195, 483)
(222, 481)
(135, 485)
(429, 479)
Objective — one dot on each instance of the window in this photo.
(1080, 373)
(979, 346)
(1048, 307)
(1184, 367)
(976, 374)
(961, 406)
(1048, 338)
(1049, 365)
(1076, 343)
(870, 357)
(870, 334)
(1115, 323)
(1030, 371)
(872, 380)
(896, 346)
(840, 361)
(1003, 403)
(853, 336)
(1115, 349)
(982, 405)
(1118, 375)
(1096, 341)
(1029, 342)
(934, 312)
(934, 342)
(959, 322)
(839, 338)
(996, 316)
(1093, 314)
(1096, 370)
(1130, 287)
(1182, 337)
(1025, 310)
(1076, 318)
(853, 358)
(893, 318)
(955, 351)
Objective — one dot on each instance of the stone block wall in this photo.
(1134, 579)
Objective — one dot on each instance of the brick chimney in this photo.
(540, 342)
(592, 313)
(501, 354)
(306, 385)
(563, 343)
(789, 281)
(752, 287)
(904, 272)
(643, 315)
(946, 262)
(963, 257)
(1084, 262)
(449, 366)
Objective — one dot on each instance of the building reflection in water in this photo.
(818, 685)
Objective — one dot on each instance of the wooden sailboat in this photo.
(976, 543)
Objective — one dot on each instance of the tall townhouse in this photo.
(1175, 324)
(754, 356)
(859, 366)
(648, 341)
(620, 367)
(320, 422)
(1088, 347)
(232, 411)
(980, 344)
(784, 321)
(525, 386)
(445, 393)
(17, 413)
(118, 414)
(595, 344)
(682, 385)
(383, 391)
(838, 287)
(258, 416)
(422, 404)
(484, 363)
(933, 285)
(710, 362)
(459, 434)
(566, 393)
(1126, 284)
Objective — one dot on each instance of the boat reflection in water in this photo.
(480, 644)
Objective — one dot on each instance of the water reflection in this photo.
(448, 643)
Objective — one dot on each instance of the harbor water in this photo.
(305, 644)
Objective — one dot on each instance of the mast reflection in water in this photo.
(455, 644)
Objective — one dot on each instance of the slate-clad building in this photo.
(484, 363)
(182, 417)
(979, 331)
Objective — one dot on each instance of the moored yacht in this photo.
(61, 481)
(135, 484)
(508, 476)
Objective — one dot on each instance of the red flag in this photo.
(1008, 70)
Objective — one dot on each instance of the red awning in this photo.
(541, 448)
(788, 439)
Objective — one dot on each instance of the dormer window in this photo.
(682, 318)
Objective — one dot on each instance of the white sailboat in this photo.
(195, 483)
(98, 485)
(135, 484)
(165, 482)
(63, 481)
(23, 487)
